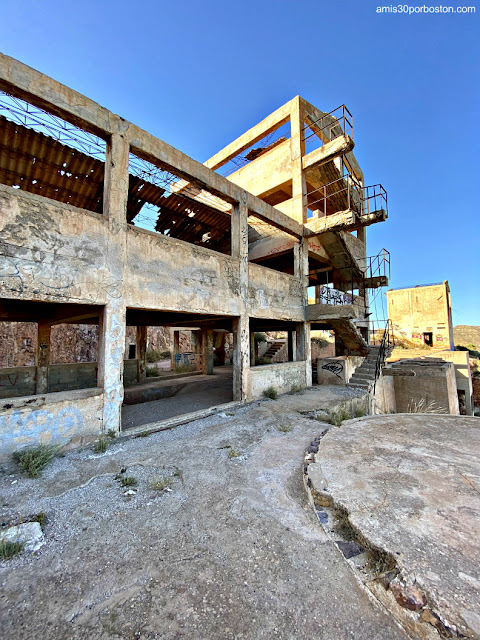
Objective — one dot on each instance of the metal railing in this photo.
(386, 341)
(378, 265)
(338, 195)
(374, 199)
(329, 126)
(347, 193)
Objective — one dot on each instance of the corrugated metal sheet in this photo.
(44, 166)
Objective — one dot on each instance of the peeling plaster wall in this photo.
(50, 251)
(56, 418)
(280, 376)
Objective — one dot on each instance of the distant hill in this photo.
(464, 334)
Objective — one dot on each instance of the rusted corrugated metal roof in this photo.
(44, 166)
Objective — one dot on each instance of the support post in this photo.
(112, 322)
(207, 351)
(241, 335)
(141, 353)
(175, 342)
(43, 356)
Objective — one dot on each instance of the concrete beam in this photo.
(312, 115)
(330, 150)
(267, 247)
(29, 84)
(154, 150)
(316, 312)
(253, 135)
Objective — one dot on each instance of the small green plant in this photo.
(284, 428)
(160, 484)
(41, 518)
(234, 453)
(296, 388)
(359, 412)
(112, 434)
(34, 459)
(258, 336)
(152, 372)
(165, 354)
(101, 445)
(271, 393)
(128, 481)
(184, 368)
(9, 549)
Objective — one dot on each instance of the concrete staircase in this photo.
(274, 348)
(364, 376)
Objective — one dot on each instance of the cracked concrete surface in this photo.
(233, 551)
(411, 487)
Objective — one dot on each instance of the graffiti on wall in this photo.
(334, 367)
(31, 425)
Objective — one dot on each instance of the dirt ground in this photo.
(232, 551)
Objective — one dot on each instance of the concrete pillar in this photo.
(112, 322)
(43, 356)
(219, 343)
(207, 351)
(175, 342)
(241, 337)
(196, 345)
(141, 353)
(297, 146)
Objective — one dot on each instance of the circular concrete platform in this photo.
(409, 485)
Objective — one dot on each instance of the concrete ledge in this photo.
(152, 427)
(49, 398)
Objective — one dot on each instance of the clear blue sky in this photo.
(197, 74)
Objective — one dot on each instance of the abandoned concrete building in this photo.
(423, 314)
(106, 227)
(421, 319)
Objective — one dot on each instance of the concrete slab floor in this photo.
(233, 551)
(410, 486)
(190, 394)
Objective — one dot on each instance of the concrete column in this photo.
(175, 341)
(219, 341)
(297, 147)
(207, 351)
(241, 336)
(112, 322)
(141, 353)
(43, 356)
(196, 345)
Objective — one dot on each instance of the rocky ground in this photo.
(229, 549)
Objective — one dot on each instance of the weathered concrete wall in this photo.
(130, 372)
(50, 251)
(433, 384)
(272, 294)
(165, 273)
(384, 398)
(65, 377)
(18, 381)
(461, 361)
(280, 376)
(337, 370)
(57, 418)
(420, 310)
